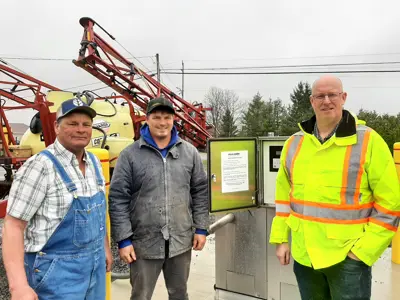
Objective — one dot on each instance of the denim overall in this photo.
(72, 264)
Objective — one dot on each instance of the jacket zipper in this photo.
(165, 181)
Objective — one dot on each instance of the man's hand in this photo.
(127, 254)
(24, 293)
(283, 253)
(109, 258)
(353, 256)
(199, 241)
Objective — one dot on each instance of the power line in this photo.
(294, 57)
(168, 77)
(290, 66)
(53, 58)
(37, 58)
(282, 73)
(83, 85)
(101, 88)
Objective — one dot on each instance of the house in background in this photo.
(18, 130)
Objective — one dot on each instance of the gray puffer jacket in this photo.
(153, 199)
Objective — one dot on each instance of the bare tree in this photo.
(231, 102)
(220, 101)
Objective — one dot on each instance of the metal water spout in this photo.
(229, 218)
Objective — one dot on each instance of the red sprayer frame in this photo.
(122, 75)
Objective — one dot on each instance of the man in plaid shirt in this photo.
(54, 238)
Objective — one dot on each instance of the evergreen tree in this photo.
(228, 124)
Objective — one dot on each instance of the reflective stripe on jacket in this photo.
(338, 196)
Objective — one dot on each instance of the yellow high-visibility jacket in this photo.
(338, 196)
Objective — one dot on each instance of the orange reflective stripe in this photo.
(383, 224)
(293, 148)
(288, 153)
(387, 220)
(298, 142)
(353, 167)
(345, 174)
(279, 214)
(361, 166)
(340, 214)
(386, 211)
(289, 144)
(285, 202)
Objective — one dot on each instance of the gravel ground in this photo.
(119, 266)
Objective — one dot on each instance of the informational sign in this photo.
(232, 173)
(235, 171)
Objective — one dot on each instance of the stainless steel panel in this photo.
(277, 275)
(224, 244)
(240, 283)
(241, 249)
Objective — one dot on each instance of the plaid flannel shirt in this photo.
(39, 196)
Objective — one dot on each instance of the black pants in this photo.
(348, 280)
(145, 272)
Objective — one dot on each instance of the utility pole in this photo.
(158, 67)
(183, 77)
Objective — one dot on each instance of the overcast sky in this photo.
(216, 34)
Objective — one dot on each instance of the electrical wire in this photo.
(2, 60)
(51, 58)
(288, 66)
(17, 57)
(295, 57)
(284, 73)
(167, 76)
(83, 85)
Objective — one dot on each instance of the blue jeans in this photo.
(347, 280)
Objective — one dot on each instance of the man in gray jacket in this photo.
(158, 205)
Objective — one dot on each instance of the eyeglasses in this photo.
(331, 96)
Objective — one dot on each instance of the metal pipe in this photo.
(229, 218)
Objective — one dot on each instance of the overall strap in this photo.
(99, 178)
(60, 169)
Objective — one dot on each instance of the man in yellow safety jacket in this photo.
(338, 193)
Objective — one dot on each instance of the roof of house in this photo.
(18, 128)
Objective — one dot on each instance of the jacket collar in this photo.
(173, 151)
(346, 128)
